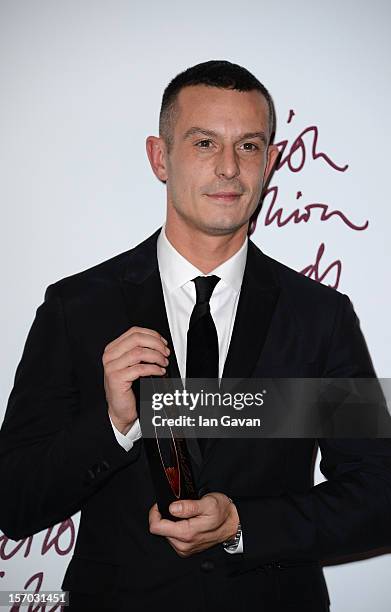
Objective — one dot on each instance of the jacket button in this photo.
(88, 478)
(275, 565)
(207, 566)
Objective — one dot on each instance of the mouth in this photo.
(223, 196)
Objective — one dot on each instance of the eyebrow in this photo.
(198, 130)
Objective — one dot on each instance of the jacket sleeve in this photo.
(57, 447)
(350, 512)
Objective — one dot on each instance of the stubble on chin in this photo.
(221, 229)
(209, 224)
(214, 227)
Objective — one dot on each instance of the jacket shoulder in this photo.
(303, 287)
(107, 270)
(103, 275)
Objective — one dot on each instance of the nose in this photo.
(227, 163)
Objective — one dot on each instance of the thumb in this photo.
(186, 508)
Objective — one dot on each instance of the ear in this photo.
(156, 151)
(272, 155)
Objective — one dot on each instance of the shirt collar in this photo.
(176, 270)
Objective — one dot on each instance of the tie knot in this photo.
(204, 287)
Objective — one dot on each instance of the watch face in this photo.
(231, 546)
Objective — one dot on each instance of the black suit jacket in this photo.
(58, 453)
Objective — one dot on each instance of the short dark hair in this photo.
(214, 73)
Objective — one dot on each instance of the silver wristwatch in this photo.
(232, 544)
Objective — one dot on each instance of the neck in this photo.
(205, 251)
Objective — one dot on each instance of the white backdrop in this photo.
(81, 84)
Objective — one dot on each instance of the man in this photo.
(71, 438)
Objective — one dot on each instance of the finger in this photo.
(188, 508)
(158, 525)
(181, 548)
(184, 549)
(154, 514)
(129, 375)
(186, 531)
(135, 356)
(169, 529)
(133, 330)
(136, 339)
(130, 342)
(202, 515)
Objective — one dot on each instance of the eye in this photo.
(203, 144)
(251, 146)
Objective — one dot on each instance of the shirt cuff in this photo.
(238, 549)
(127, 440)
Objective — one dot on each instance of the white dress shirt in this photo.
(179, 293)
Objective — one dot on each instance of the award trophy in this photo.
(169, 463)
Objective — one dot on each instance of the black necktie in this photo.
(202, 359)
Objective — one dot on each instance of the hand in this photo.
(137, 352)
(207, 521)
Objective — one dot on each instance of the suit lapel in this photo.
(143, 294)
(257, 303)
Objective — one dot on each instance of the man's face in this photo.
(219, 158)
